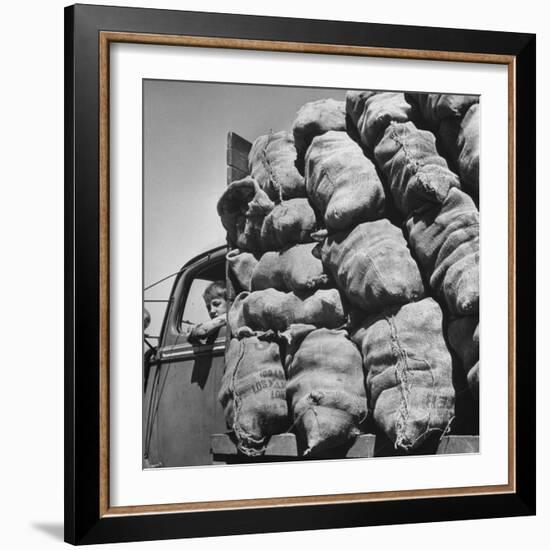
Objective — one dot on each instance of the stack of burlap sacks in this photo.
(336, 320)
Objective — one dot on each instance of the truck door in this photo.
(181, 408)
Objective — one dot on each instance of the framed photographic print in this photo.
(300, 277)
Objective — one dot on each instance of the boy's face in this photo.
(217, 307)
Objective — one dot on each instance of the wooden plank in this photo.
(279, 445)
(237, 157)
(221, 444)
(234, 174)
(238, 160)
(238, 143)
(363, 447)
(458, 444)
(284, 445)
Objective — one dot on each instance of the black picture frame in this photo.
(84, 522)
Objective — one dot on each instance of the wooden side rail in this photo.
(284, 447)
(237, 157)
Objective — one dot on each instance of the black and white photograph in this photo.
(311, 273)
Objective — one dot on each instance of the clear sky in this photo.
(184, 163)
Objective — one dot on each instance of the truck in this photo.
(183, 421)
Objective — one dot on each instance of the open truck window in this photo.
(187, 306)
(193, 309)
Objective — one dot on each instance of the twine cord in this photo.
(402, 375)
(431, 409)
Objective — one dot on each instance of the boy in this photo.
(215, 299)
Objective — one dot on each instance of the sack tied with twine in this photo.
(437, 107)
(242, 208)
(290, 222)
(342, 183)
(445, 239)
(463, 333)
(271, 162)
(415, 172)
(372, 265)
(295, 268)
(254, 223)
(409, 372)
(270, 309)
(371, 112)
(253, 393)
(241, 265)
(461, 139)
(314, 119)
(325, 388)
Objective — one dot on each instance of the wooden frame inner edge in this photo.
(104, 256)
(105, 39)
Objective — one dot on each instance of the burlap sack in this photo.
(268, 273)
(314, 119)
(342, 183)
(325, 389)
(463, 334)
(235, 315)
(460, 138)
(242, 265)
(447, 138)
(322, 308)
(242, 209)
(255, 224)
(415, 172)
(371, 112)
(373, 266)
(295, 268)
(253, 393)
(409, 372)
(468, 149)
(271, 163)
(290, 222)
(473, 380)
(271, 309)
(437, 107)
(445, 240)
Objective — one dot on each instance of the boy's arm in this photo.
(203, 330)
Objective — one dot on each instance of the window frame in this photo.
(172, 345)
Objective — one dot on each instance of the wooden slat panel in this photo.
(238, 143)
(458, 444)
(237, 159)
(234, 174)
(363, 447)
(222, 445)
(279, 445)
(284, 445)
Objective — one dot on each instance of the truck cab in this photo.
(181, 408)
